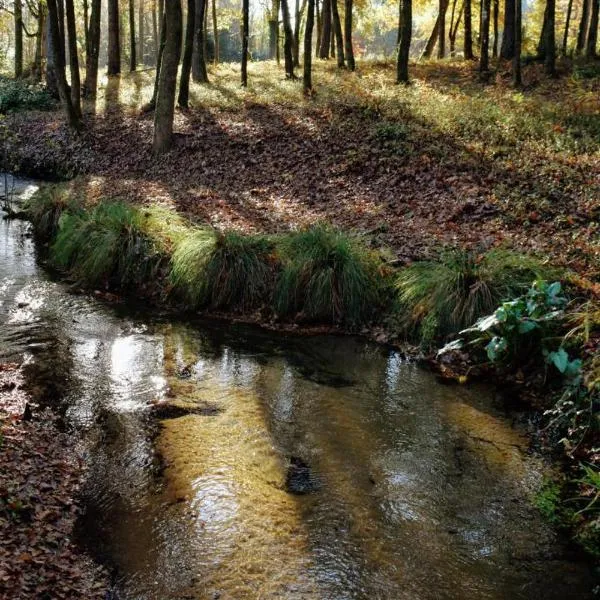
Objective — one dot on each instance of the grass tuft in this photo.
(45, 208)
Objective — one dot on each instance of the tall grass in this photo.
(45, 208)
(327, 275)
(437, 298)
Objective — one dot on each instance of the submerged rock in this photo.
(299, 478)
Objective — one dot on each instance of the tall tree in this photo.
(215, 31)
(583, 26)
(507, 49)
(433, 38)
(454, 24)
(73, 58)
(114, 44)
(93, 52)
(155, 33)
(547, 43)
(297, 23)
(165, 102)
(496, 6)
(245, 36)
(348, 35)
(308, 34)
(443, 7)
(51, 59)
(592, 38)
(132, 53)
(288, 41)
(59, 67)
(518, 38)
(159, 56)
(405, 39)
(273, 22)
(567, 26)
(188, 50)
(325, 29)
(339, 40)
(18, 38)
(199, 72)
(484, 59)
(39, 41)
(468, 37)
(141, 32)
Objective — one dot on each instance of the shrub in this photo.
(106, 245)
(327, 275)
(17, 94)
(438, 298)
(45, 208)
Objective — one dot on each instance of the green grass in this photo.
(438, 298)
(328, 275)
(45, 208)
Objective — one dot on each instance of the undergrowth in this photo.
(18, 94)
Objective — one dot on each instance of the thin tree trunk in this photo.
(288, 42)
(433, 38)
(485, 37)
(132, 53)
(547, 45)
(39, 42)
(348, 35)
(114, 46)
(91, 60)
(507, 49)
(165, 102)
(51, 60)
(159, 57)
(18, 38)
(443, 7)
(73, 59)
(517, 82)
(155, 30)
(332, 37)
(405, 39)
(583, 27)
(339, 40)
(454, 25)
(273, 29)
(325, 29)
(60, 4)
(205, 33)
(308, 32)
(468, 37)
(567, 25)
(245, 35)
(215, 31)
(86, 21)
(188, 50)
(199, 72)
(496, 15)
(141, 32)
(59, 66)
(296, 48)
(319, 29)
(592, 39)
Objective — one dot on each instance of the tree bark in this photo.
(484, 59)
(155, 31)
(188, 50)
(73, 59)
(308, 34)
(86, 21)
(405, 38)
(245, 35)
(288, 41)
(132, 48)
(443, 7)
(583, 27)
(141, 32)
(39, 42)
(159, 56)
(59, 66)
(348, 35)
(165, 102)
(339, 39)
(51, 60)
(468, 37)
(18, 39)
(325, 29)
(495, 19)
(547, 43)
(517, 36)
(91, 60)
(567, 25)
(592, 38)
(114, 45)
(319, 29)
(215, 31)
(454, 27)
(433, 38)
(507, 49)
(199, 72)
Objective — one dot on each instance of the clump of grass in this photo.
(45, 208)
(106, 245)
(327, 275)
(224, 270)
(438, 298)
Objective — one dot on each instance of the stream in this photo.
(199, 437)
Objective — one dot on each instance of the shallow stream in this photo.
(197, 433)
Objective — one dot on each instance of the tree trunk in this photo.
(39, 42)
(339, 40)
(114, 46)
(547, 43)
(159, 56)
(405, 38)
(51, 60)
(485, 37)
(91, 60)
(141, 32)
(454, 27)
(325, 29)
(188, 50)
(155, 31)
(443, 7)
(567, 25)
(592, 38)
(245, 35)
(60, 5)
(132, 53)
(433, 38)
(332, 37)
(199, 72)
(507, 49)
(583, 27)
(215, 31)
(517, 37)
(86, 21)
(308, 32)
(297, 27)
(18, 39)
(165, 102)
(288, 42)
(348, 35)
(468, 38)
(495, 45)
(59, 66)
(73, 59)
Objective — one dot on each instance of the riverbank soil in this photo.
(445, 161)
(40, 474)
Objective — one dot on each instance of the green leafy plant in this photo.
(18, 94)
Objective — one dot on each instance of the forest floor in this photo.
(40, 474)
(444, 161)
